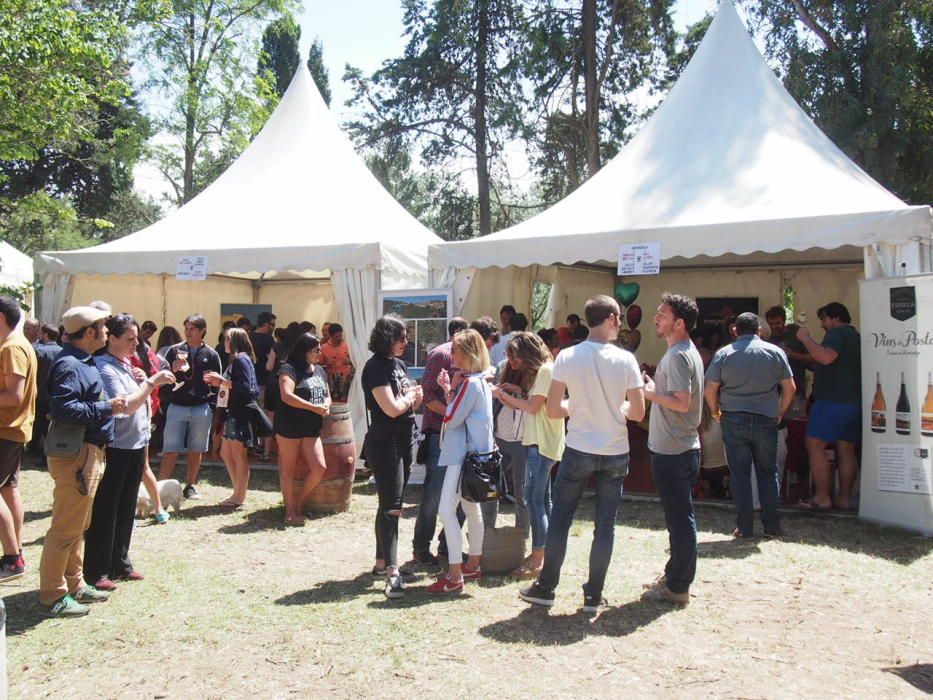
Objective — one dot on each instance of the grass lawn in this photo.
(236, 605)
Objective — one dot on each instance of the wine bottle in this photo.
(879, 410)
(926, 417)
(902, 411)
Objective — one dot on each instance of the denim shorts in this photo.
(187, 428)
(831, 421)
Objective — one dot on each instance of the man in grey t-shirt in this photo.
(752, 383)
(676, 396)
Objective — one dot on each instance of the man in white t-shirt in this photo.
(676, 395)
(605, 389)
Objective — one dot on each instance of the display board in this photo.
(426, 312)
(234, 312)
(714, 311)
(897, 398)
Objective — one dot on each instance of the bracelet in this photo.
(150, 383)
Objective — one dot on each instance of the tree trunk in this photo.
(191, 106)
(479, 119)
(590, 88)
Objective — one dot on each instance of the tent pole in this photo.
(164, 300)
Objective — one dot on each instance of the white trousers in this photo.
(447, 510)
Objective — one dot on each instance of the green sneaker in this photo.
(89, 594)
(65, 607)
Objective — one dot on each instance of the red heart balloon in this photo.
(633, 316)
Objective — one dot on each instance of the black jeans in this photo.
(388, 454)
(107, 541)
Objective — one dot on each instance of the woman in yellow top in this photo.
(544, 438)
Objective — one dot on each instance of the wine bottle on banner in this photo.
(879, 410)
(926, 417)
(902, 411)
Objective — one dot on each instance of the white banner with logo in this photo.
(897, 394)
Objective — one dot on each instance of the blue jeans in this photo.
(674, 477)
(749, 439)
(575, 469)
(538, 494)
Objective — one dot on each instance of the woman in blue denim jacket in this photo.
(467, 428)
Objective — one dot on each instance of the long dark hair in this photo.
(142, 352)
(168, 336)
(298, 354)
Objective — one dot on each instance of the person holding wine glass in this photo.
(836, 412)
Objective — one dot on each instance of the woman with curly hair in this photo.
(240, 382)
(390, 401)
(543, 438)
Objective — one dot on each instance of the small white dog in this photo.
(170, 493)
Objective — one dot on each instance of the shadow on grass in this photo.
(31, 515)
(835, 530)
(416, 598)
(333, 591)
(272, 518)
(22, 612)
(920, 676)
(536, 625)
(727, 549)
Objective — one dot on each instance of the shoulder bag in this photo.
(64, 440)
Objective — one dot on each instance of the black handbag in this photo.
(480, 477)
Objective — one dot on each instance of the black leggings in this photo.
(388, 454)
(107, 541)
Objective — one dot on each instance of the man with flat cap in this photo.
(752, 383)
(79, 405)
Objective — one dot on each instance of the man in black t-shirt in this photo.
(263, 341)
(190, 403)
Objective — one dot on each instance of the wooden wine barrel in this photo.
(332, 495)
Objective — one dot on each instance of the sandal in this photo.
(812, 505)
(526, 570)
(295, 520)
(230, 505)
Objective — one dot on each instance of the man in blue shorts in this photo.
(189, 415)
(836, 412)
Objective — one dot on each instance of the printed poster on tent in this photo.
(191, 268)
(639, 259)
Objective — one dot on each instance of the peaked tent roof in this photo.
(728, 164)
(15, 267)
(297, 200)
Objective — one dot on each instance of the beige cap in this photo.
(78, 317)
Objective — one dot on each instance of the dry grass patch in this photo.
(237, 605)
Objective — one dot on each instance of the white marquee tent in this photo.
(299, 204)
(729, 171)
(15, 267)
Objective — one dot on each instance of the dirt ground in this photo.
(236, 605)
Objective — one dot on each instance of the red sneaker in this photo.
(105, 584)
(445, 585)
(471, 574)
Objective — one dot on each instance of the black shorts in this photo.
(11, 456)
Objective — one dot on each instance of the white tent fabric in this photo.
(356, 291)
(728, 163)
(298, 199)
(15, 267)
(298, 203)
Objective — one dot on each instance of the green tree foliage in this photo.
(455, 91)
(203, 50)
(41, 222)
(319, 70)
(279, 56)
(586, 61)
(864, 72)
(56, 62)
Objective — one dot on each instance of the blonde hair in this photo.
(240, 343)
(472, 347)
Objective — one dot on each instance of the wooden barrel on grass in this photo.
(332, 495)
